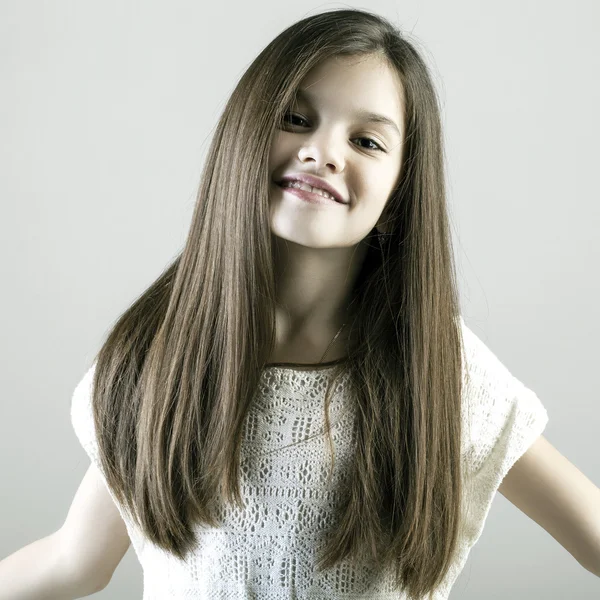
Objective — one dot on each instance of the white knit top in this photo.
(268, 550)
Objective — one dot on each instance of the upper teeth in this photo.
(309, 188)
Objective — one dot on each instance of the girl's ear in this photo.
(382, 225)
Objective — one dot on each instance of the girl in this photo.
(242, 463)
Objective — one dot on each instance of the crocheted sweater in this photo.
(268, 550)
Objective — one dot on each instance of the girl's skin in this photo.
(319, 249)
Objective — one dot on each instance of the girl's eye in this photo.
(290, 116)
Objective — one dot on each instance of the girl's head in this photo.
(301, 108)
(177, 375)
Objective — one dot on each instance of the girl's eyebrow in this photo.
(366, 115)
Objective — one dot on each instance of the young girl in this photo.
(295, 408)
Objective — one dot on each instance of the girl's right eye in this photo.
(291, 115)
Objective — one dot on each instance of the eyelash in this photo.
(378, 149)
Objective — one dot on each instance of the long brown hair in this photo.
(178, 371)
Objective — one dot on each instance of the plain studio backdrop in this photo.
(106, 112)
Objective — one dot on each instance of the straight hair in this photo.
(175, 378)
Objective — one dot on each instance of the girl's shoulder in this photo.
(503, 416)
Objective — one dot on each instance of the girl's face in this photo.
(325, 135)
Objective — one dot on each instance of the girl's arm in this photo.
(35, 572)
(77, 560)
(553, 492)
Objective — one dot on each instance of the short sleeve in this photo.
(82, 420)
(82, 417)
(505, 417)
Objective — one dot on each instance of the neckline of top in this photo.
(291, 366)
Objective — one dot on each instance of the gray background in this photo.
(107, 109)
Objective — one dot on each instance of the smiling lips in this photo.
(313, 181)
(296, 185)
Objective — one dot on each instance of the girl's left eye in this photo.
(377, 146)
